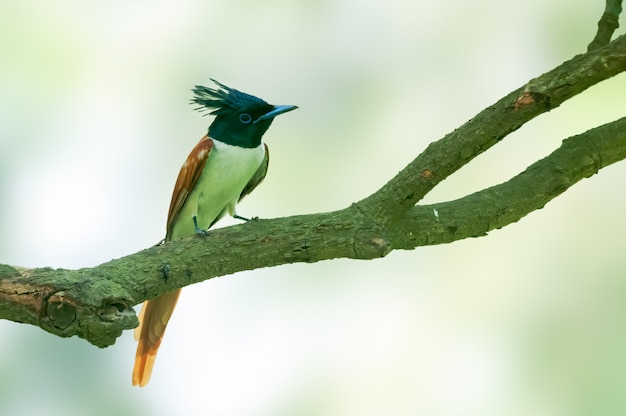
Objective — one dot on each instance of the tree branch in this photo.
(474, 215)
(607, 24)
(96, 303)
(539, 95)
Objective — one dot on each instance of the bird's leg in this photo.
(239, 217)
(199, 230)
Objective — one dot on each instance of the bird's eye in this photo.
(245, 118)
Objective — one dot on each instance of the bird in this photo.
(228, 163)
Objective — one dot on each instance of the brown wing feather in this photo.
(258, 176)
(187, 178)
(156, 312)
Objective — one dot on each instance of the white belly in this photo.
(227, 171)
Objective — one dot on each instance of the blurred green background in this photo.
(95, 123)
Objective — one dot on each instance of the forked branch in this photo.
(96, 303)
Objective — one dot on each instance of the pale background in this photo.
(95, 123)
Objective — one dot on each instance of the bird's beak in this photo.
(278, 109)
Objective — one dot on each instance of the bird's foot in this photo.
(202, 233)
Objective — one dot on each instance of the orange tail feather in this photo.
(153, 319)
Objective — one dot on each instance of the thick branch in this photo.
(96, 303)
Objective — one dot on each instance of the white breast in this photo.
(227, 171)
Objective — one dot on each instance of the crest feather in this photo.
(223, 100)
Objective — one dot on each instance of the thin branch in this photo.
(607, 24)
(474, 215)
(96, 303)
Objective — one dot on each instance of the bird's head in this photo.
(240, 118)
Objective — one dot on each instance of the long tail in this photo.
(153, 319)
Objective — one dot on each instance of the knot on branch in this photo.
(528, 98)
(371, 243)
(59, 311)
(64, 315)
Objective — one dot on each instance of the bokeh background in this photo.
(95, 123)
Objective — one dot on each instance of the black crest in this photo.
(224, 100)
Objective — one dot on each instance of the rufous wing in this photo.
(187, 178)
(156, 312)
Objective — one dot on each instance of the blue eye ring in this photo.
(245, 118)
